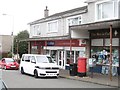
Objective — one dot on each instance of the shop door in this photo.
(61, 59)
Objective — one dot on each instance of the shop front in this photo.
(101, 48)
(63, 52)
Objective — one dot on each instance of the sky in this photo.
(16, 14)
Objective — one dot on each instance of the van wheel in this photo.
(35, 74)
(22, 70)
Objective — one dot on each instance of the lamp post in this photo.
(4, 14)
(17, 42)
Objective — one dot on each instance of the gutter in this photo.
(119, 9)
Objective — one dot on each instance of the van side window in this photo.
(27, 58)
(33, 59)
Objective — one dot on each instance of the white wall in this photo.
(0, 43)
(43, 29)
(89, 17)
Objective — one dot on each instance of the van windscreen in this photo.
(44, 59)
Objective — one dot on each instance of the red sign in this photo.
(74, 43)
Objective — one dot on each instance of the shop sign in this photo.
(66, 43)
(50, 43)
(74, 43)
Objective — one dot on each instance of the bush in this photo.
(9, 55)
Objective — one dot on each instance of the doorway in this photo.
(61, 59)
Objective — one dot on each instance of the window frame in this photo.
(28, 58)
(35, 29)
(67, 22)
(73, 17)
(113, 7)
(33, 59)
(56, 28)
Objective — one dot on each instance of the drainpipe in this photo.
(118, 9)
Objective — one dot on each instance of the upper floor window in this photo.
(36, 30)
(52, 26)
(74, 21)
(106, 10)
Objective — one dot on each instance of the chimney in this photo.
(46, 12)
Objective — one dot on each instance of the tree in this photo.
(20, 39)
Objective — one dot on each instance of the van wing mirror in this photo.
(33, 61)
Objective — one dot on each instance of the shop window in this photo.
(103, 54)
(54, 55)
(34, 49)
(68, 57)
(47, 52)
(97, 42)
(115, 42)
(77, 55)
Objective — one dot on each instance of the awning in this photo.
(97, 25)
(46, 38)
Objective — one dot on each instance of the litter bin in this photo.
(81, 65)
(73, 69)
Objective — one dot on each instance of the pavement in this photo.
(96, 79)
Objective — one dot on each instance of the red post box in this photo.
(81, 65)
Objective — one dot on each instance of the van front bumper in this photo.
(48, 73)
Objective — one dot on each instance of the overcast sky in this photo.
(21, 12)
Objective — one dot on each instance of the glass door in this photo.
(61, 58)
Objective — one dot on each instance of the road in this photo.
(14, 79)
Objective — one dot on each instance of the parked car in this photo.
(9, 63)
(39, 65)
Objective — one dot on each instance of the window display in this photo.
(34, 49)
(54, 55)
(102, 56)
(68, 57)
(74, 57)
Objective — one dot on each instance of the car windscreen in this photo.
(9, 60)
(44, 59)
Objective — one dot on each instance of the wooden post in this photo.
(29, 47)
(45, 47)
(70, 50)
(111, 52)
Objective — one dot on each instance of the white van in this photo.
(38, 65)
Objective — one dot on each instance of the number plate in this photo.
(13, 66)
